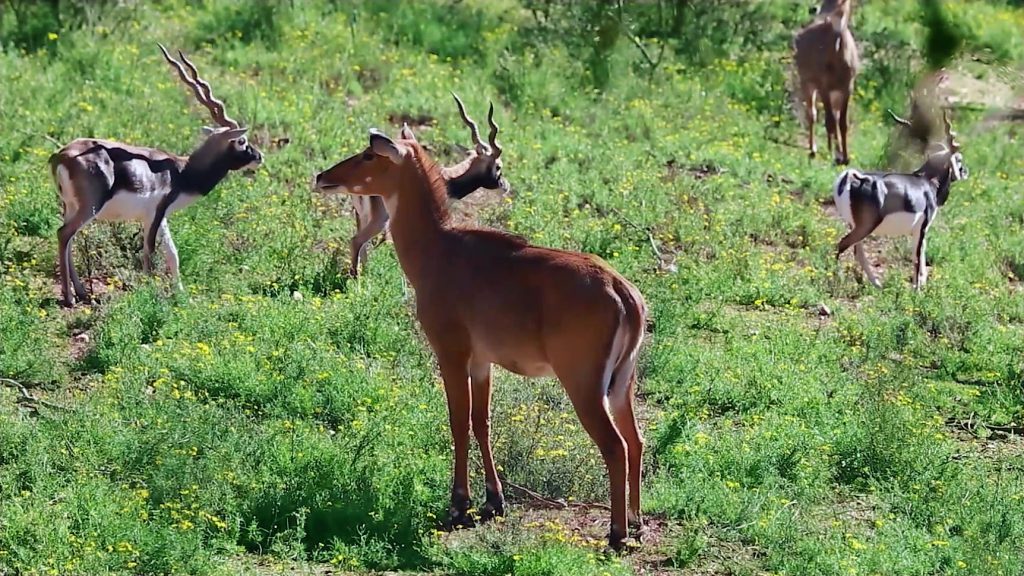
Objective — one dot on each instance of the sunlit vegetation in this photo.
(281, 417)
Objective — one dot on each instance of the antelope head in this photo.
(225, 145)
(835, 11)
(369, 172)
(482, 166)
(944, 157)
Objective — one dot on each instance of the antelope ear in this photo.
(232, 133)
(207, 130)
(381, 145)
(406, 132)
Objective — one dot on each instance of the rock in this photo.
(824, 311)
(297, 296)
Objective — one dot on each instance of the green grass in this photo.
(239, 429)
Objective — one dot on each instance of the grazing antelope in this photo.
(890, 204)
(827, 63)
(106, 180)
(486, 297)
(480, 169)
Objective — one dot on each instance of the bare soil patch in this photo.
(98, 286)
(418, 121)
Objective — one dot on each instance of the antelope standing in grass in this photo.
(106, 180)
(891, 204)
(827, 63)
(486, 297)
(480, 169)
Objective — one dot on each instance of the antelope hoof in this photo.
(494, 507)
(812, 154)
(460, 519)
(637, 530)
(617, 540)
(843, 161)
(459, 515)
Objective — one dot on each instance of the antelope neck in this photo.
(942, 186)
(420, 221)
(460, 180)
(201, 178)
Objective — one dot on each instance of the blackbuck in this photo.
(894, 204)
(827, 62)
(106, 180)
(486, 297)
(481, 168)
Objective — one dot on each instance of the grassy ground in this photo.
(241, 429)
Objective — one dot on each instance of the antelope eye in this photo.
(367, 156)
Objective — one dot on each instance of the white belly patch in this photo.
(132, 206)
(128, 206)
(899, 224)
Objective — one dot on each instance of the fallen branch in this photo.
(970, 425)
(49, 138)
(556, 504)
(26, 397)
(664, 262)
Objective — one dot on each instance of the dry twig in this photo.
(26, 397)
(556, 504)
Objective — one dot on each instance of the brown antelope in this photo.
(827, 63)
(892, 204)
(486, 297)
(481, 168)
(106, 180)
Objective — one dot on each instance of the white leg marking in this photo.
(862, 259)
(170, 254)
(920, 262)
